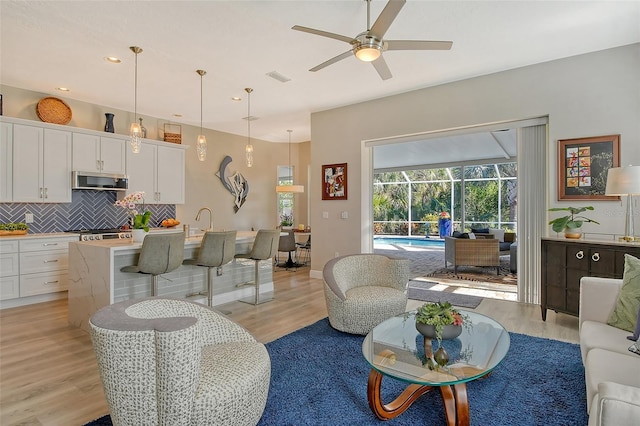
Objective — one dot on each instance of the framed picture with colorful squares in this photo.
(583, 164)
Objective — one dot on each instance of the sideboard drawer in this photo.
(46, 244)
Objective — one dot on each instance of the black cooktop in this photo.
(95, 231)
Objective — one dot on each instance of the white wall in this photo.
(588, 95)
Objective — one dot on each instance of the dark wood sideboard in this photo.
(565, 261)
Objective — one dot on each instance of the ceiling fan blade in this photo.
(323, 33)
(386, 18)
(332, 60)
(417, 45)
(381, 66)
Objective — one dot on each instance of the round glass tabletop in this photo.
(396, 349)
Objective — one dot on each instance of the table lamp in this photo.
(625, 181)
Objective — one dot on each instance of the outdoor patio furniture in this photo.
(471, 252)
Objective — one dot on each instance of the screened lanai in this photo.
(410, 202)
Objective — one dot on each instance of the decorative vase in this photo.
(448, 331)
(441, 356)
(137, 235)
(108, 126)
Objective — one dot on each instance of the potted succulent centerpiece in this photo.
(440, 320)
(571, 223)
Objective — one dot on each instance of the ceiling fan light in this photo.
(368, 53)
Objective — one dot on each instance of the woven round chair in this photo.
(363, 290)
(169, 361)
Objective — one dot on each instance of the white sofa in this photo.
(612, 372)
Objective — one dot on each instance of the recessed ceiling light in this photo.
(112, 59)
(236, 98)
(63, 89)
(177, 115)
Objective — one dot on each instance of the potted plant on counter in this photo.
(139, 220)
(571, 223)
(13, 228)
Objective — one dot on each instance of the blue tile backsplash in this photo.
(87, 210)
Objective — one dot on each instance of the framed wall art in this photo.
(334, 181)
(583, 164)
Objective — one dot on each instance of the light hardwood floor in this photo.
(48, 373)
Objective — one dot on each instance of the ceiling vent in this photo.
(277, 76)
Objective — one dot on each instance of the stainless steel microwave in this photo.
(99, 181)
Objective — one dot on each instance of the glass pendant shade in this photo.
(135, 132)
(201, 147)
(201, 142)
(249, 148)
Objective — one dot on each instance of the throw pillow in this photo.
(456, 234)
(625, 313)
(497, 234)
(472, 236)
(480, 231)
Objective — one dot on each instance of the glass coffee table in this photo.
(395, 349)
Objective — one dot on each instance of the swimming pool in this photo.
(406, 241)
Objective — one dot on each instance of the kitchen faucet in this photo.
(210, 218)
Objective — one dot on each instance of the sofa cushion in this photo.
(498, 234)
(605, 366)
(505, 246)
(594, 334)
(625, 313)
(457, 234)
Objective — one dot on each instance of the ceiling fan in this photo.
(369, 45)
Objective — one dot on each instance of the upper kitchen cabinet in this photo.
(41, 165)
(158, 170)
(93, 153)
(6, 162)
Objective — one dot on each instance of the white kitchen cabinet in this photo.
(6, 162)
(93, 153)
(44, 264)
(159, 172)
(9, 270)
(41, 165)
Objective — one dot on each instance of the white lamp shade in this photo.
(623, 181)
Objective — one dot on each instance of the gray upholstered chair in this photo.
(265, 246)
(216, 249)
(169, 361)
(160, 253)
(363, 290)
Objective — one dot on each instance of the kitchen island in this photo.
(95, 279)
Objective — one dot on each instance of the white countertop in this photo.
(42, 235)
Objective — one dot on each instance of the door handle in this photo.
(579, 255)
(595, 256)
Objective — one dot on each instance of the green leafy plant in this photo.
(286, 220)
(572, 221)
(14, 226)
(130, 203)
(440, 314)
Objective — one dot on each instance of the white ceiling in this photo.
(47, 44)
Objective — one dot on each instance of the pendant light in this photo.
(201, 143)
(135, 131)
(292, 187)
(249, 148)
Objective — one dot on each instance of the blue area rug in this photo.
(319, 377)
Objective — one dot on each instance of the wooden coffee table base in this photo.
(454, 397)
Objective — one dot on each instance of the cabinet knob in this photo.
(595, 256)
(580, 254)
